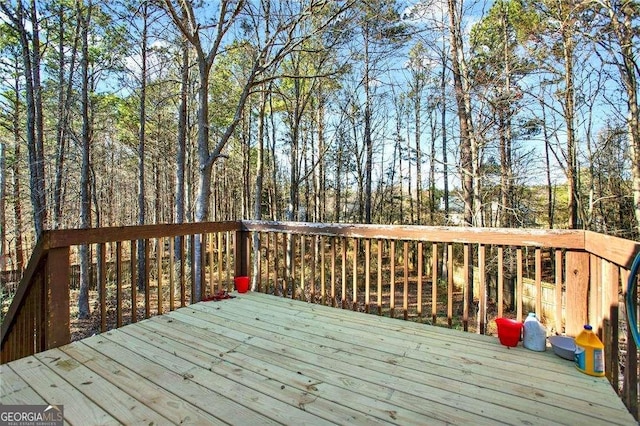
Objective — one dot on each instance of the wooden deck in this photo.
(259, 359)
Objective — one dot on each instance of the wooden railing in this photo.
(450, 276)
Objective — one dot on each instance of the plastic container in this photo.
(534, 335)
(242, 284)
(509, 331)
(563, 346)
(589, 356)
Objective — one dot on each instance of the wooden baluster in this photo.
(500, 281)
(379, 296)
(333, 272)
(183, 271)
(354, 300)
(147, 278)
(419, 282)
(228, 238)
(118, 284)
(538, 272)
(276, 263)
(211, 240)
(323, 271)
(405, 289)
(558, 291)
(159, 255)
(519, 284)
(314, 264)
(392, 278)
(344, 273)
(367, 273)
(134, 281)
(192, 262)
(259, 238)
(611, 275)
(450, 285)
(482, 293)
(172, 274)
(267, 262)
(466, 297)
(303, 253)
(102, 283)
(285, 266)
(434, 283)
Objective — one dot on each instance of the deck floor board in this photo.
(259, 359)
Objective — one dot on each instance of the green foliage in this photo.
(502, 32)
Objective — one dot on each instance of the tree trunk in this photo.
(417, 133)
(181, 148)
(142, 117)
(443, 125)
(504, 112)
(468, 147)
(547, 158)
(65, 89)
(569, 113)
(85, 198)
(257, 206)
(368, 169)
(276, 206)
(38, 121)
(466, 155)
(15, 176)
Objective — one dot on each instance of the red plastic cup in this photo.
(242, 284)
(509, 331)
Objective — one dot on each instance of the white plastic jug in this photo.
(534, 334)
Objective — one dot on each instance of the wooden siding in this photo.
(259, 359)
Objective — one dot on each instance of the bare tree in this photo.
(84, 15)
(208, 41)
(468, 146)
(25, 23)
(618, 34)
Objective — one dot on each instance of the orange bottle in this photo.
(589, 356)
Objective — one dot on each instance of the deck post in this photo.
(57, 332)
(577, 276)
(242, 253)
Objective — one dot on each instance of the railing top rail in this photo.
(73, 237)
(562, 239)
(614, 249)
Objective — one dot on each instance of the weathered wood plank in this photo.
(177, 410)
(233, 402)
(543, 367)
(168, 372)
(293, 388)
(123, 407)
(372, 396)
(14, 390)
(52, 388)
(260, 359)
